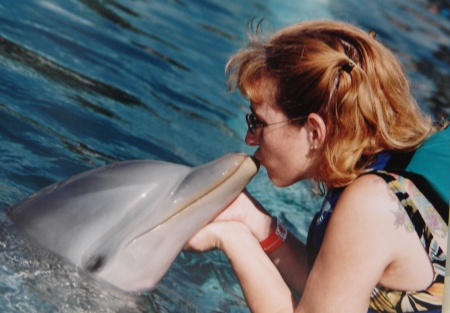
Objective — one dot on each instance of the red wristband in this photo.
(275, 239)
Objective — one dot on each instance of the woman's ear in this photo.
(317, 131)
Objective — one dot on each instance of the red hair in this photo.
(347, 77)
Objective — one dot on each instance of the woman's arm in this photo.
(290, 259)
(361, 242)
(263, 287)
(368, 242)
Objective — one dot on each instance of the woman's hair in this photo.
(348, 78)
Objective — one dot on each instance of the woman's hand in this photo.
(237, 232)
(207, 238)
(249, 211)
(243, 213)
(213, 236)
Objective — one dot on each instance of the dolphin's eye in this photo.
(95, 263)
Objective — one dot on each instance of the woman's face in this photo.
(284, 149)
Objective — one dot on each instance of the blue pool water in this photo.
(84, 83)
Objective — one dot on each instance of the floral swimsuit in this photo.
(430, 228)
(430, 224)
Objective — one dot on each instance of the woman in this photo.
(329, 103)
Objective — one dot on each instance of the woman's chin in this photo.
(278, 181)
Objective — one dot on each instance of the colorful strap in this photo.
(417, 217)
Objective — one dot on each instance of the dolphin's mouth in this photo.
(247, 162)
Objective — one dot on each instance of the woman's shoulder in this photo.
(368, 233)
(374, 223)
(368, 190)
(368, 201)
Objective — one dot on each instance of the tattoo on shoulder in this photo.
(401, 218)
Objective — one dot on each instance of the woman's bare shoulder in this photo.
(369, 209)
(368, 195)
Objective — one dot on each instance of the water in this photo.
(84, 83)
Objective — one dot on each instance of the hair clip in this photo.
(373, 34)
(348, 67)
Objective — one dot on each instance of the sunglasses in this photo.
(254, 123)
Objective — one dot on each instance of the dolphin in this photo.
(125, 223)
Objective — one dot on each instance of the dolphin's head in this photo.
(125, 223)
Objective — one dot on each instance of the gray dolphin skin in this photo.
(125, 223)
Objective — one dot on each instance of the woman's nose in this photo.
(252, 138)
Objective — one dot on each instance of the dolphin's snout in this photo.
(129, 220)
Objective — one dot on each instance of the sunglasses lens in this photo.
(251, 122)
